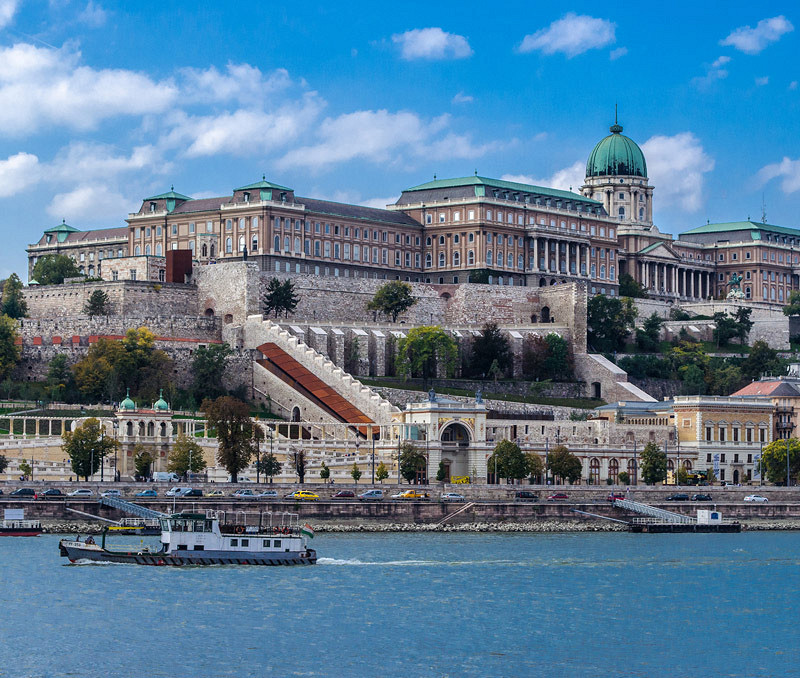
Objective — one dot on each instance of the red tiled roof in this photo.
(768, 388)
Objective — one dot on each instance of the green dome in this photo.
(128, 405)
(160, 405)
(616, 155)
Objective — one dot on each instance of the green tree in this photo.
(186, 456)
(762, 360)
(793, 306)
(231, 419)
(10, 353)
(269, 466)
(653, 464)
(14, 305)
(392, 299)
(412, 461)
(774, 460)
(564, 464)
(628, 287)
(98, 303)
(208, 368)
(682, 475)
(535, 466)
(60, 381)
(381, 473)
(724, 380)
(355, 472)
(142, 462)
(299, 458)
(25, 469)
(609, 321)
(423, 349)
(510, 462)
(743, 323)
(97, 375)
(559, 363)
(489, 348)
(51, 269)
(647, 337)
(3, 463)
(623, 478)
(280, 297)
(324, 472)
(535, 352)
(441, 472)
(86, 447)
(725, 328)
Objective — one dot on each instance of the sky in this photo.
(105, 103)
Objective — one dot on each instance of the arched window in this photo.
(158, 249)
(254, 244)
(242, 243)
(510, 260)
(316, 248)
(622, 212)
(456, 258)
(520, 262)
(594, 471)
(471, 258)
(307, 246)
(489, 259)
(441, 260)
(276, 245)
(137, 251)
(147, 249)
(287, 244)
(500, 259)
(428, 260)
(297, 245)
(204, 250)
(428, 241)
(641, 213)
(213, 250)
(632, 471)
(91, 269)
(613, 470)
(228, 245)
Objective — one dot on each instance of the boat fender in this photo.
(239, 529)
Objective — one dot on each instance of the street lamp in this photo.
(372, 433)
(358, 444)
(102, 456)
(115, 426)
(788, 478)
(546, 461)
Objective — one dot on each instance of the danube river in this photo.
(610, 604)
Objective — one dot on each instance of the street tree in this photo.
(423, 350)
(186, 456)
(381, 473)
(441, 473)
(793, 306)
(14, 305)
(653, 464)
(26, 470)
(231, 419)
(623, 477)
(628, 287)
(86, 447)
(682, 475)
(609, 321)
(51, 269)
(98, 303)
(725, 328)
(392, 299)
(355, 473)
(647, 337)
(208, 368)
(142, 462)
(535, 466)
(773, 460)
(564, 464)
(762, 360)
(280, 297)
(743, 323)
(411, 461)
(489, 348)
(269, 466)
(3, 463)
(10, 353)
(299, 460)
(509, 461)
(324, 472)
(60, 380)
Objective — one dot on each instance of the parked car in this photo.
(244, 494)
(166, 477)
(344, 494)
(558, 496)
(51, 492)
(147, 493)
(371, 495)
(176, 491)
(756, 498)
(111, 493)
(303, 495)
(83, 492)
(192, 492)
(215, 493)
(615, 495)
(452, 496)
(24, 492)
(701, 497)
(267, 494)
(411, 494)
(678, 496)
(526, 495)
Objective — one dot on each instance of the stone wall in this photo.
(230, 291)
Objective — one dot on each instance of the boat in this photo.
(210, 538)
(142, 526)
(15, 525)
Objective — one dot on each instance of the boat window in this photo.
(165, 526)
(183, 547)
(199, 547)
(245, 542)
(208, 526)
(234, 542)
(198, 526)
(265, 543)
(277, 543)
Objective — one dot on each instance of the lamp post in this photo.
(372, 435)
(788, 478)
(358, 445)
(258, 462)
(115, 426)
(761, 462)
(635, 465)
(546, 462)
(102, 456)
(271, 438)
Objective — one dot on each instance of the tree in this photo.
(86, 447)
(628, 287)
(653, 464)
(98, 303)
(509, 461)
(142, 462)
(51, 269)
(208, 367)
(793, 307)
(647, 337)
(774, 460)
(25, 469)
(98, 373)
(559, 363)
(564, 464)
(761, 360)
(535, 466)
(743, 323)
(682, 475)
(609, 321)
(186, 456)
(269, 466)
(725, 328)
(14, 305)
(231, 419)
(423, 350)
(489, 349)
(411, 460)
(280, 297)
(441, 472)
(9, 351)
(623, 477)
(3, 463)
(535, 352)
(723, 380)
(381, 473)
(392, 299)
(355, 472)
(60, 381)
(300, 465)
(324, 472)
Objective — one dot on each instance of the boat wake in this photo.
(86, 561)
(354, 561)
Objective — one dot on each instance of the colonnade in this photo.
(547, 254)
(673, 280)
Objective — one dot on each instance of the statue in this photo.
(478, 397)
(734, 283)
(432, 396)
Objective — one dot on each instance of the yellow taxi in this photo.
(303, 495)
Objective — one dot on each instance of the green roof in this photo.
(500, 183)
(172, 195)
(62, 230)
(742, 226)
(262, 185)
(650, 248)
(616, 155)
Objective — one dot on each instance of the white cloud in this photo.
(432, 43)
(82, 162)
(721, 61)
(7, 10)
(240, 82)
(793, 85)
(462, 98)
(17, 173)
(753, 40)
(676, 166)
(714, 72)
(93, 15)
(787, 170)
(760, 82)
(571, 177)
(94, 202)
(380, 203)
(573, 34)
(41, 86)
(618, 53)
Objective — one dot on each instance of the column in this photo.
(588, 252)
(535, 266)
(691, 284)
(675, 280)
(568, 259)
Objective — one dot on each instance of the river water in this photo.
(458, 604)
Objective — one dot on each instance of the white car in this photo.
(111, 493)
(81, 493)
(757, 498)
(266, 494)
(244, 494)
(452, 496)
(177, 491)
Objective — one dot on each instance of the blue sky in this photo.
(103, 103)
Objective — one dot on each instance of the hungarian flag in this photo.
(307, 530)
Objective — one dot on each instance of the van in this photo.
(525, 495)
(164, 477)
(371, 495)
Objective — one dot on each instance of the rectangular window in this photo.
(234, 542)
(265, 543)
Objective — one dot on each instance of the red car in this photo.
(616, 495)
(557, 496)
(344, 494)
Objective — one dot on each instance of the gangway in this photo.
(652, 512)
(455, 513)
(130, 507)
